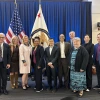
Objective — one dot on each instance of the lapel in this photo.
(53, 49)
(3, 49)
(48, 51)
(65, 47)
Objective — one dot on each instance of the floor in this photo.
(61, 94)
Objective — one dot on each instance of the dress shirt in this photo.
(62, 49)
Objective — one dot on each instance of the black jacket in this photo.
(6, 54)
(39, 56)
(54, 55)
(81, 60)
(90, 48)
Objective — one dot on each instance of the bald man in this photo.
(63, 60)
(4, 63)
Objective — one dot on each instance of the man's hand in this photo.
(39, 67)
(50, 63)
(8, 66)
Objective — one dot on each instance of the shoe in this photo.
(74, 91)
(60, 86)
(96, 87)
(54, 90)
(5, 92)
(49, 89)
(24, 88)
(99, 92)
(35, 88)
(87, 90)
(80, 94)
(39, 90)
(27, 86)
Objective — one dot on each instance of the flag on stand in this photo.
(40, 28)
(15, 27)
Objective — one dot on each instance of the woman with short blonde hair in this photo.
(25, 62)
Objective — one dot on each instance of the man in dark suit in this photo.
(63, 60)
(96, 57)
(51, 56)
(4, 63)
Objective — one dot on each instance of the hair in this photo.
(71, 32)
(13, 38)
(33, 39)
(77, 38)
(98, 34)
(61, 34)
(87, 35)
(23, 38)
(2, 34)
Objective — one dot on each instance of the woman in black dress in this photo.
(90, 48)
(14, 69)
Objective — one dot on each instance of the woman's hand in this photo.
(81, 70)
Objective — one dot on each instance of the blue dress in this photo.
(77, 79)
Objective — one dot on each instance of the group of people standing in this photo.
(69, 59)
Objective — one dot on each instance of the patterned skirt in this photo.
(77, 80)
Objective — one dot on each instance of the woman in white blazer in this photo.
(25, 62)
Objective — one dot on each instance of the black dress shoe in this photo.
(99, 92)
(54, 90)
(49, 89)
(5, 92)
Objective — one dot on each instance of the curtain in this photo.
(61, 17)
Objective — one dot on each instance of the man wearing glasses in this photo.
(4, 64)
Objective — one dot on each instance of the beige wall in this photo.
(95, 19)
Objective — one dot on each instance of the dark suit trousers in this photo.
(52, 73)
(3, 76)
(98, 72)
(38, 77)
(63, 69)
(89, 76)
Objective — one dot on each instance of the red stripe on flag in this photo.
(7, 40)
(9, 34)
(20, 35)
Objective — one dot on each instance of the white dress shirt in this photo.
(62, 49)
(2, 49)
(50, 50)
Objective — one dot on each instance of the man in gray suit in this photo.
(63, 60)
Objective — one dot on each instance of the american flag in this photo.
(15, 28)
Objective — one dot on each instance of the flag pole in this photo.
(15, 3)
(39, 3)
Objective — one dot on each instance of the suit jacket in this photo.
(54, 55)
(67, 49)
(39, 56)
(90, 48)
(6, 54)
(81, 59)
(95, 53)
(72, 47)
